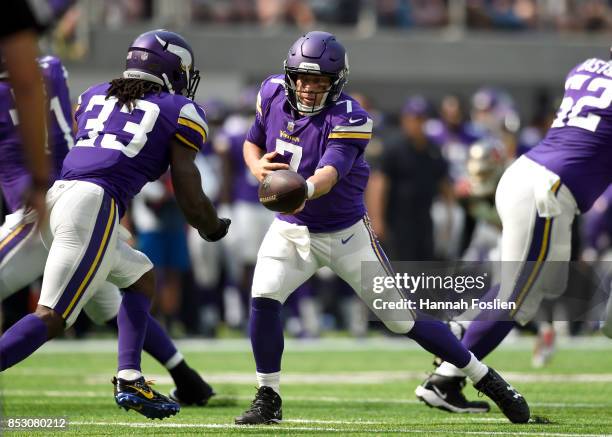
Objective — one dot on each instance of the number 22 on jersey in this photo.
(570, 108)
(136, 132)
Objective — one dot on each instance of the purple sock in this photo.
(132, 321)
(21, 340)
(481, 337)
(266, 332)
(437, 338)
(485, 333)
(158, 343)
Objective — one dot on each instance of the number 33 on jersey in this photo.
(122, 150)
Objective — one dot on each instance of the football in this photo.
(282, 191)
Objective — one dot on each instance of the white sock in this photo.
(174, 361)
(129, 374)
(271, 380)
(475, 370)
(448, 369)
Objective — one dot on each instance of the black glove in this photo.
(221, 231)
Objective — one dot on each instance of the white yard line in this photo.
(316, 345)
(320, 428)
(321, 399)
(337, 378)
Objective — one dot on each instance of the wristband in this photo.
(310, 189)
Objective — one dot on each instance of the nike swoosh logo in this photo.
(344, 241)
(147, 394)
(354, 121)
(439, 393)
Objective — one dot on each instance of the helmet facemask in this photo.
(193, 81)
(293, 93)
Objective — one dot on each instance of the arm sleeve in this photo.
(346, 141)
(341, 157)
(191, 127)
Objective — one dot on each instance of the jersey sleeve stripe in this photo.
(365, 127)
(196, 127)
(187, 142)
(351, 135)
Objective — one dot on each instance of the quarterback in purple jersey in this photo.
(22, 252)
(305, 122)
(537, 199)
(129, 132)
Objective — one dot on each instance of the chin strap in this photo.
(167, 83)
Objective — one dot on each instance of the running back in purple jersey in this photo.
(577, 145)
(122, 150)
(14, 176)
(311, 142)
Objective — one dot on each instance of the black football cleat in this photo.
(137, 395)
(445, 393)
(509, 401)
(265, 409)
(196, 393)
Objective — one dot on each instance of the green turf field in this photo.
(332, 387)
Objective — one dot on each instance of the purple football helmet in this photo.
(316, 53)
(165, 58)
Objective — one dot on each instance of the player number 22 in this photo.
(570, 109)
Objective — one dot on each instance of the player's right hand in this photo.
(265, 166)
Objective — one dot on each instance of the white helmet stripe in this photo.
(179, 51)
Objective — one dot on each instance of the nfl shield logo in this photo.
(290, 126)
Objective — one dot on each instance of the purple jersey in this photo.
(14, 175)
(231, 139)
(336, 136)
(121, 150)
(577, 145)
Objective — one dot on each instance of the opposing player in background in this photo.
(22, 252)
(537, 199)
(306, 121)
(129, 131)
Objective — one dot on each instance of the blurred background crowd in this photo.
(367, 16)
(435, 159)
(559, 15)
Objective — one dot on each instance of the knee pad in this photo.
(399, 327)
